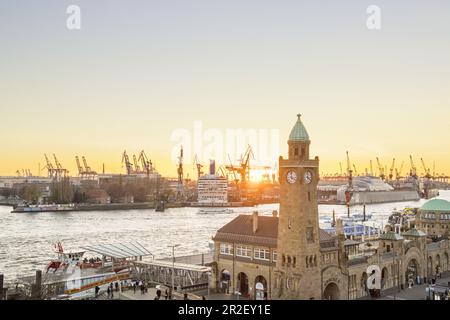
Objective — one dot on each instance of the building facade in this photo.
(287, 256)
(434, 217)
(212, 189)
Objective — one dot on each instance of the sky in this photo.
(141, 74)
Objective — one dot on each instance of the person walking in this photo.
(134, 286)
(109, 292)
(117, 286)
(97, 289)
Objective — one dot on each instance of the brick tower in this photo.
(297, 272)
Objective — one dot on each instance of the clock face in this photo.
(291, 177)
(308, 177)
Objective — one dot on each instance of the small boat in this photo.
(215, 211)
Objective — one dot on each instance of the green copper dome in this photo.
(436, 205)
(298, 132)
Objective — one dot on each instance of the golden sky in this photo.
(136, 73)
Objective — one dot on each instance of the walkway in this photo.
(417, 292)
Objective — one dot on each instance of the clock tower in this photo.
(297, 272)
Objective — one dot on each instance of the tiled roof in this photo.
(414, 233)
(243, 225)
(298, 132)
(391, 236)
(240, 229)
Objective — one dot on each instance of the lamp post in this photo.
(173, 266)
(209, 277)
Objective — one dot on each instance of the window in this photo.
(274, 255)
(295, 151)
(262, 254)
(226, 248)
(242, 251)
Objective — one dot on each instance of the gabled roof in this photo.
(298, 132)
(243, 225)
(391, 236)
(436, 205)
(240, 229)
(415, 233)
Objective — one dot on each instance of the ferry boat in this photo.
(215, 211)
(71, 276)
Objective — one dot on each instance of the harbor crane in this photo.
(413, 171)
(371, 168)
(180, 167)
(380, 169)
(137, 169)
(80, 168)
(391, 170)
(147, 164)
(425, 169)
(356, 171)
(232, 169)
(222, 172)
(128, 164)
(340, 167)
(60, 171)
(86, 167)
(51, 170)
(348, 164)
(398, 173)
(244, 168)
(198, 166)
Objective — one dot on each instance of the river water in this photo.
(26, 239)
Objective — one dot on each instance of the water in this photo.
(26, 239)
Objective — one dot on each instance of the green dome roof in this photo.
(298, 132)
(436, 205)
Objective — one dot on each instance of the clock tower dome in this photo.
(297, 272)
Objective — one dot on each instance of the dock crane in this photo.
(50, 168)
(147, 164)
(413, 171)
(86, 167)
(380, 169)
(80, 168)
(426, 169)
(232, 169)
(128, 164)
(244, 168)
(245, 164)
(222, 172)
(340, 166)
(391, 170)
(180, 167)
(356, 171)
(348, 164)
(398, 173)
(137, 169)
(198, 166)
(60, 171)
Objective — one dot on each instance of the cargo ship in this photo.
(367, 190)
